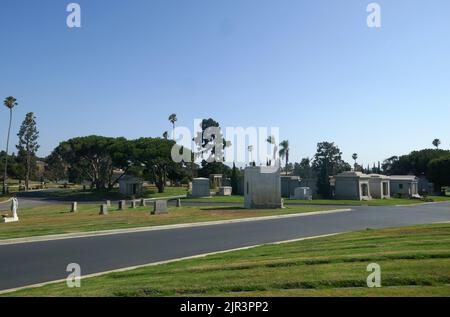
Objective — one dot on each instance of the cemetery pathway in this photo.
(37, 262)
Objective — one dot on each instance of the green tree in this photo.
(355, 157)
(56, 168)
(211, 143)
(304, 169)
(10, 103)
(436, 143)
(439, 171)
(28, 145)
(155, 155)
(173, 118)
(234, 179)
(94, 158)
(284, 153)
(327, 162)
(166, 135)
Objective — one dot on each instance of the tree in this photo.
(436, 143)
(155, 155)
(327, 162)
(284, 153)
(304, 169)
(56, 168)
(234, 179)
(166, 135)
(211, 143)
(95, 157)
(415, 163)
(28, 145)
(173, 118)
(439, 171)
(10, 103)
(272, 141)
(355, 157)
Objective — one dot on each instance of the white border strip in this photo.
(166, 262)
(157, 228)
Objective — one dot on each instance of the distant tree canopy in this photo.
(96, 158)
(212, 161)
(304, 168)
(415, 163)
(93, 158)
(328, 162)
(439, 171)
(155, 155)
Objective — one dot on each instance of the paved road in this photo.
(30, 263)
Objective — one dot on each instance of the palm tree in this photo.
(436, 143)
(173, 118)
(355, 157)
(284, 152)
(10, 103)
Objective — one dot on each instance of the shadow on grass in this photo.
(223, 208)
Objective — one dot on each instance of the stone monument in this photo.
(225, 191)
(14, 207)
(262, 187)
(200, 187)
(302, 193)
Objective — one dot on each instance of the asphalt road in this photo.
(36, 262)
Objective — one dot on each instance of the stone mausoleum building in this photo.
(359, 186)
(262, 188)
(351, 185)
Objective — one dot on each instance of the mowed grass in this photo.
(373, 202)
(56, 219)
(414, 261)
(98, 195)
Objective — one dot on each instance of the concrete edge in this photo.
(157, 228)
(423, 204)
(167, 262)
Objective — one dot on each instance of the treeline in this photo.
(431, 163)
(434, 164)
(99, 159)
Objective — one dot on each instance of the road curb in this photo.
(158, 228)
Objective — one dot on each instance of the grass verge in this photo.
(415, 261)
(374, 202)
(56, 219)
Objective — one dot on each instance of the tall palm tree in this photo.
(355, 157)
(284, 152)
(173, 118)
(436, 143)
(10, 103)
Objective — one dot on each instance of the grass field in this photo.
(374, 202)
(414, 261)
(98, 195)
(56, 219)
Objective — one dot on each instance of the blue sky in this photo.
(313, 68)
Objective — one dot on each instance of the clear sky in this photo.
(313, 68)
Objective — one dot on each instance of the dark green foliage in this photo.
(327, 162)
(439, 171)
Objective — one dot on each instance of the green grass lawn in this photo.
(414, 261)
(98, 195)
(374, 202)
(56, 219)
